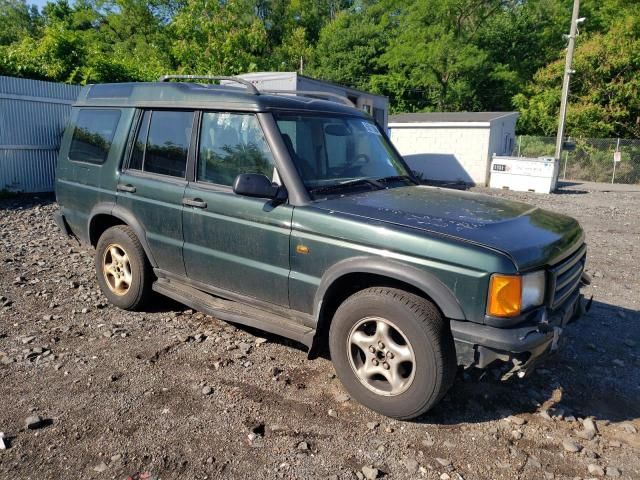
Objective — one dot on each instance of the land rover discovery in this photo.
(295, 214)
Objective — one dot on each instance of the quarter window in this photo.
(137, 156)
(93, 135)
(231, 144)
(162, 143)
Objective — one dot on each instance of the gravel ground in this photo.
(90, 391)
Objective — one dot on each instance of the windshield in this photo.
(341, 154)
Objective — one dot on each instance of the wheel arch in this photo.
(104, 216)
(349, 276)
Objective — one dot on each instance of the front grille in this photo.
(566, 276)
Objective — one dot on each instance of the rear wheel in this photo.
(393, 351)
(122, 269)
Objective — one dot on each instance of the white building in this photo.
(455, 146)
(375, 105)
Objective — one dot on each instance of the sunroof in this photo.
(111, 91)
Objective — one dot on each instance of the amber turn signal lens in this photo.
(505, 296)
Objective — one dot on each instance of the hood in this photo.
(529, 235)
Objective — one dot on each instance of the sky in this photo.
(38, 3)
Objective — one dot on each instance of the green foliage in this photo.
(519, 40)
(90, 42)
(425, 55)
(349, 48)
(440, 67)
(17, 20)
(213, 38)
(442, 54)
(605, 88)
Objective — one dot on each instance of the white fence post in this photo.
(613, 176)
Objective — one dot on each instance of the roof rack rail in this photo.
(250, 86)
(312, 93)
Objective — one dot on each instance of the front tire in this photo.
(392, 351)
(122, 268)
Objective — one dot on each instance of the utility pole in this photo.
(567, 76)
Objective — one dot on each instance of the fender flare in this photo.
(426, 282)
(121, 213)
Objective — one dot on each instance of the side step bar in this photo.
(234, 312)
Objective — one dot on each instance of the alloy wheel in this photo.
(116, 269)
(381, 356)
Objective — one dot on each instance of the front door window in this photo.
(231, 144)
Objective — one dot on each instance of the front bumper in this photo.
(520, 347)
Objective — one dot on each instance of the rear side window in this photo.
(162, 143)
(93, 135)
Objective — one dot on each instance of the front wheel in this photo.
(122, 269)
(393, 351)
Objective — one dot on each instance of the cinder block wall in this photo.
(445, 153)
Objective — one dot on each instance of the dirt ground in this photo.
(171, 393)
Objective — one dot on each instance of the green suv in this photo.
(296, 215)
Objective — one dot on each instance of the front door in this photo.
(231, 242)
(152, 183)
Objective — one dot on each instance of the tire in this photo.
(122, 268)
(415, 329)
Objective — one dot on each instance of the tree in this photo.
(17, 20)
(220, 38)
(423, 54)
(293, 28)
(91, 42)
(519, 39)
(349, 48)
(605, 89)
(435, 52)
(55, 52)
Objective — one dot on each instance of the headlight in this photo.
(533, 289)
(511, 294)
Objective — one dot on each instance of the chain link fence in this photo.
(612, 160)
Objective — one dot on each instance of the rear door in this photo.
(152, 184)
(231, 242)
(88, 160)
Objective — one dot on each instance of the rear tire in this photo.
(392, 351)
(122, 268)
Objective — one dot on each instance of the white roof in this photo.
(447, 119)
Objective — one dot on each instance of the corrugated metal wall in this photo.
(33, 114)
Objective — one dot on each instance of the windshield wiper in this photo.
(396, 177)
(348, 184)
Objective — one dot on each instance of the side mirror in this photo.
(257, 185)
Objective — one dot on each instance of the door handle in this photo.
(126, 188)
(194, 202)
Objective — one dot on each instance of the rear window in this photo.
(93, 135)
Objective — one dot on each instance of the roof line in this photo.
(473, 124)
(506, 114)
(450, 117)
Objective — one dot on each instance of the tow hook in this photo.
(544, 328)
(556, 336)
